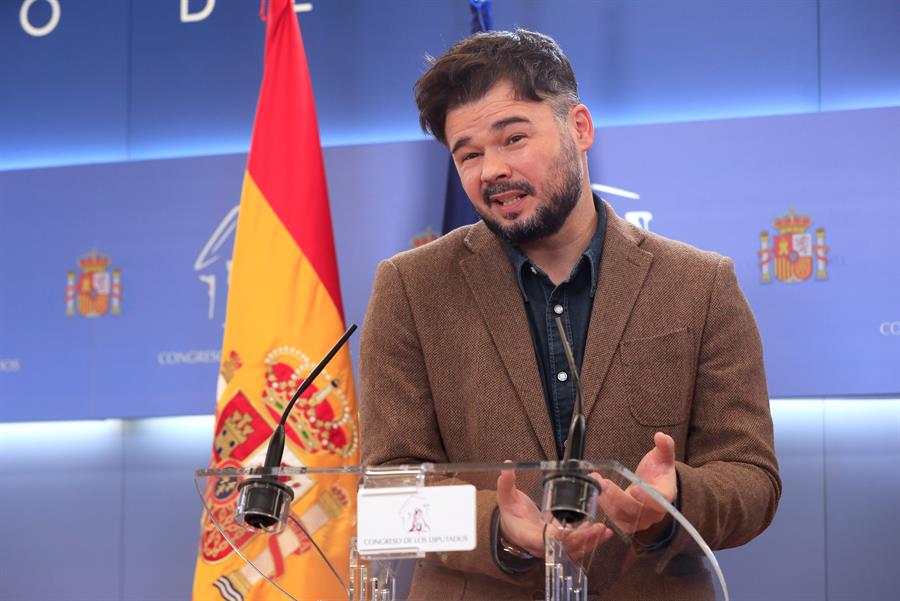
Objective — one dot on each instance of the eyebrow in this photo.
(497, 125)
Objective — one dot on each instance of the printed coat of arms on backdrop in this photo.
(423, 238)
(795, 254)
(94, 291)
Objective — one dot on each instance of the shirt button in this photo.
(558, 309)
(562, 376)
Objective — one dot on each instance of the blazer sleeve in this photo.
(397, 420)
(729, 483)
(398, 424)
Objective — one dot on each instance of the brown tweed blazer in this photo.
(448, 374)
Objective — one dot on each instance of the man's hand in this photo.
(523, 525)
(633, 510)
(520, 518)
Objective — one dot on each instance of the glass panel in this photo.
(574, 530)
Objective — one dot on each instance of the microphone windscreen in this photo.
(263, 503)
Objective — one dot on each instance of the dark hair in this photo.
(533, 63)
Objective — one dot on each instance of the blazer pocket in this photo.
(658, 377)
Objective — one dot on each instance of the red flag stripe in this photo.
(286, 157)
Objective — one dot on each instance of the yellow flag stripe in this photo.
(275, 295)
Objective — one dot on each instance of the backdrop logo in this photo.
(639, 218)
(794, 254)
(95, 292)
(218, 247)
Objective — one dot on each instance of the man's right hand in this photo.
(520, 518)
(522, 524)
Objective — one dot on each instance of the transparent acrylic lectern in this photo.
(380, 533)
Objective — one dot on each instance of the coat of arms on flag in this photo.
(94, 290)
(794, 252)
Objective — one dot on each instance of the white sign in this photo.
(433, 518)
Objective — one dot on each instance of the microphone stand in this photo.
(569, 495)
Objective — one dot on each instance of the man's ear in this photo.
(582, 126)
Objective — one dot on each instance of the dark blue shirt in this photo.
(571, 301)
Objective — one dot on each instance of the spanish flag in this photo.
(284, 314)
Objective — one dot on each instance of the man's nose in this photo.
(494, 167)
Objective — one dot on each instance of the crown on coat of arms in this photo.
(792, 223)
(322, 420)
(93, 262)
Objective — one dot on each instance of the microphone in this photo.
(264, 502)
(569, 495)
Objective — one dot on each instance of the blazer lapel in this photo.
(623, 269)
(493, 284)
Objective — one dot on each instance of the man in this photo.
(461, 361)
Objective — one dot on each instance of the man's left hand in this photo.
(633, 510)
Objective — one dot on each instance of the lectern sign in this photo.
(426, 519)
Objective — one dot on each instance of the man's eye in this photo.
(515, 138)
(466, 157)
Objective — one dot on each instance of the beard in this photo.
(548, 217)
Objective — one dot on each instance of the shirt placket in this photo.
(557, 306)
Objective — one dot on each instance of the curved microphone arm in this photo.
(264, 502)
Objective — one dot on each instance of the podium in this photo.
(382, 533)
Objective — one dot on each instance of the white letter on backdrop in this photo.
(189, 17)
(48, 27)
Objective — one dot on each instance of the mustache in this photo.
(505, 186)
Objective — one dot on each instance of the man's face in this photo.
(518, 164)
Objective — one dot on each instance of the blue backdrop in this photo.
(138, 80)
(167, 225)
(117, 80)
(120, 80)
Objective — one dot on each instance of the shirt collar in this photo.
(592, 253)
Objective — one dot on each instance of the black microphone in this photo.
(569, 494)
(264, 502)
